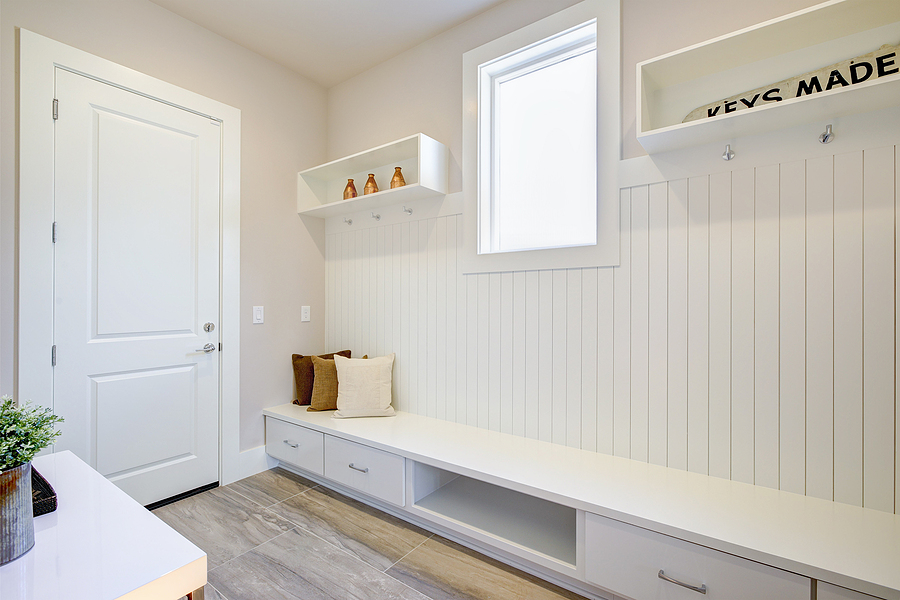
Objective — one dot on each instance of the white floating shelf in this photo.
(671, 86)
(424, 163)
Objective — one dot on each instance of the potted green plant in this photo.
(25, 430)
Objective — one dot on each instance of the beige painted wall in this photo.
(283, 131)
(421, 89)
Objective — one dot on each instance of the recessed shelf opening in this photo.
(531, 523)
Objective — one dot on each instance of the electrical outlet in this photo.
(258, 314)
(304, 313)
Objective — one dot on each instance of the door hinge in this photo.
(55, 109)
(54, 232)
(220, 346)
(53, 356)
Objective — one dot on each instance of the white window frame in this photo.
(477, 165)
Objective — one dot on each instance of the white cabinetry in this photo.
(423, 160)
(593, 522)
(374, 472)
(671, 86)
(298, 446)
(634, 562)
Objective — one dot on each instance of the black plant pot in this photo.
(16, 515)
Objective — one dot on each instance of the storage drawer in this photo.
(295, 445)
(826, 591)
(628, 560)
(374, 472)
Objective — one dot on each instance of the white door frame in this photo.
(38, 59)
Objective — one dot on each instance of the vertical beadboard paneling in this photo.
(848, 328)
(495, 351)
(574, 335)
(404, 356)
(532, 353)
(622, 329)
(748, 332)
(560, 325)
(415, 354)
(792, 328)
(820, 312)
(545, 360)
(677, 338)
(743, 289)
(519, 346)
(588, 351)
(640, 317)
(450, 323)
(440, 343)
(766, 324)
(878, 331)
(472, 374)
(484, 349)
(656, 345)
(698, 325)
(720, 325)
(506, 352)
(605, 360)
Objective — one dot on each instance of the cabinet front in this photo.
(374, 472)
(295, 445)
(644, 565)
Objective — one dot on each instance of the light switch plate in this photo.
(258, 314)
(304, 313)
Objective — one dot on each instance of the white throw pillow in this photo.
(364, 386)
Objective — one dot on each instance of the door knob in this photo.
(207, 348)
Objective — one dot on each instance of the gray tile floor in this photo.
(278, 536)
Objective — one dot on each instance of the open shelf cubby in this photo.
(531, 523)
(423, 160)
(671, 86)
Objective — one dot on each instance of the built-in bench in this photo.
(596, 523)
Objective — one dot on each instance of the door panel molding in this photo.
(38, 59)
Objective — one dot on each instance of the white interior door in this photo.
(136, 278)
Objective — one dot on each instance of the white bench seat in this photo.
(818, 540)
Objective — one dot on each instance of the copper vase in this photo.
(350, 190)
(371, 187)
(397, 180)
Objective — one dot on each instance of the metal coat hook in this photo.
(348, 221)
(376, 217)
(728, 154)
(828, 136)
(408, 211)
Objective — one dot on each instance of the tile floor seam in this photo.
(254, 547)
(408, 553)
(344, 550)
(245, 496)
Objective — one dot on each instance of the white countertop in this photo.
(100, 545)
(842, 544)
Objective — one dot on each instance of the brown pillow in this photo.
(304, 374)
(325, 385)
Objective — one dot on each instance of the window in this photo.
(538, 145)
(541, 144)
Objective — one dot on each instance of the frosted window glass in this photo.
(545, 182)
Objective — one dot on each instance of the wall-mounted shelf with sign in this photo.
(671, 86)
(424, 163)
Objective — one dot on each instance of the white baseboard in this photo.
(251, 462)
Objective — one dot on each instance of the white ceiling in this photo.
(327, 41)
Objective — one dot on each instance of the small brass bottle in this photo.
(397, 180)
(371, 187)
(350, 190)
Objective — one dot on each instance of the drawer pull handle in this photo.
(664, 577)
(366, 470)
(292, 444)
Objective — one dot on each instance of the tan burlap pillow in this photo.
(325, 385)
(304, 376)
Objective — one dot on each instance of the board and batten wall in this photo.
(748, 333)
